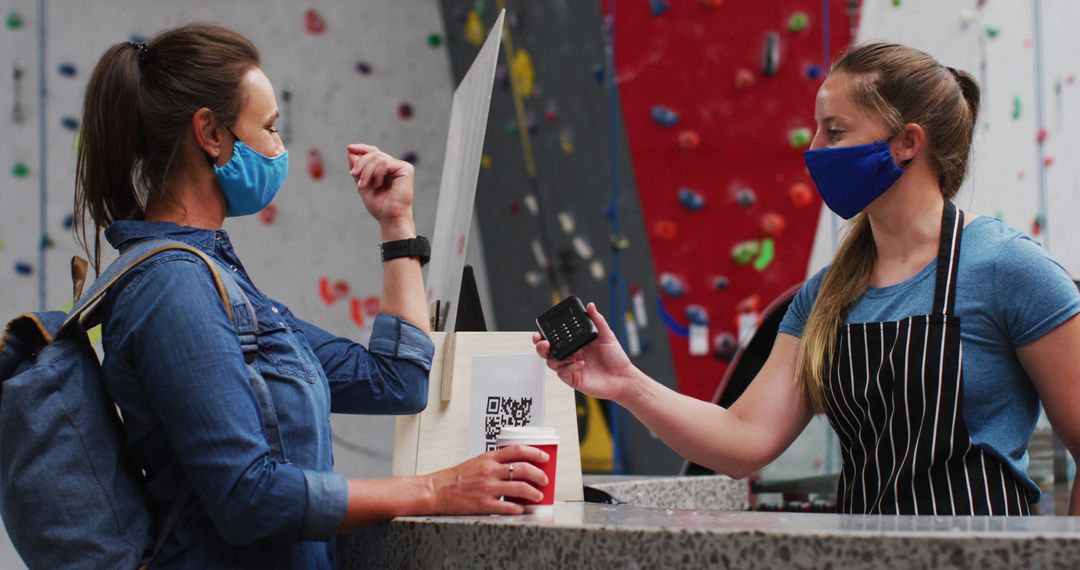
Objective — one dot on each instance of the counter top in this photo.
(580, 535)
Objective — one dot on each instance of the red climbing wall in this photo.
(736, 145)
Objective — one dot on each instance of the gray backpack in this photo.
(69, 495)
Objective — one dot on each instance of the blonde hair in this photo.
(902, 85)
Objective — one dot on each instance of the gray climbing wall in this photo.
(552, 235)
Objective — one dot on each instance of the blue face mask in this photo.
(850, 178)
(250, 180)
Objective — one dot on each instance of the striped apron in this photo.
(894, 398)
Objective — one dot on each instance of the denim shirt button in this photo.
(274, 309)
(233, 267)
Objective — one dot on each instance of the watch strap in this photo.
(418, 246)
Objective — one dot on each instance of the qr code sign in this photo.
(503, 411)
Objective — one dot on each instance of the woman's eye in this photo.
(834, 134)
(272, 129)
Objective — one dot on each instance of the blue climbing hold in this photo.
(721, 282)
(67, 69)
(658, 7)
(69, 221)
(23, 268)
(671, 285)
(665, 116)
(697, 315)
(813, 71)
(746, 198)
(691, 200)
(70, 123)
(598, 73)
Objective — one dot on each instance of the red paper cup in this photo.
(545, 439)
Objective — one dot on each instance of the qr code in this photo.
(502, 411)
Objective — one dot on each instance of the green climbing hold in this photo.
(20, 170)
(434, 40)
(992, 31)
(1016, 108)
(798, 22)
(480, 7)
(745, 252)
(47, 242)
(768, 252)
(511, 128)
(800, 138)
(897, 3)
(14, 20)
(999, 216)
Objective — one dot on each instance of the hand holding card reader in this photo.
(567, 327)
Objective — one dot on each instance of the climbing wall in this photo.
(556, 231)
(718, 105)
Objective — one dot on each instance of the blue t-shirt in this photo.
(1010, 292)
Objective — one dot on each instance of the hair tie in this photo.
(954, 72)
(144, 52)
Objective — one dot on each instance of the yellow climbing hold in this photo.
(474, 29)
(522, 73)
(485, 161)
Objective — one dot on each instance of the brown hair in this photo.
(139, 103)
(902, 85)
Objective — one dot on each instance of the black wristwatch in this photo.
(418, 246)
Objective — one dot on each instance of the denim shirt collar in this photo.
(122, 232)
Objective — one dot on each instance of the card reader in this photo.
(567, 327)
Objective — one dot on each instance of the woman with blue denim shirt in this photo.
(179, 134)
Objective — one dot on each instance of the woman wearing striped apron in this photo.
(929, 342)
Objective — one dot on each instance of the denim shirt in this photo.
(173, 365)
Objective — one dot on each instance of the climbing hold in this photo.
(566, 222)
(800, 138)
(664, 116)
(1043, 135)
(744, 79)
(745, 197)
(619, 242)
(46, 242)
(522, 73)
(967, 17)
(485, 161)
(1048, 161)
(532, 204)
(658, 7)
(405, 111)
(582, 247)
(768, 252)
(812, 71)
(550, 113)
(992, 32)
(460, 13)
(688, 139)
(515, 208)
(711, 4)
(771, 56)
(598, 73)
(23, 268)
(480, 6)
(751, 304)
(363, 68)
(70, 123)
(745, 252)
(1016, 108)
(720, 282)
(596, 268)
(773, 224)
(502, 76)
(534, 278)
(724, 346)
(665, 230)
(513, 19)
(409, 157)
(315, 164)
(801, 195)
(532, 123)
(434, 40)
(69, 221)
(691, 200)
(1038, 225)
(67, 69)
(798, 22)
(566, 140)
(20, 170)
(697, 315)
(268, 215)
(671, 285)
(1020, 175)
(897, 3)
(314, 23)
(14, 20)
(474, 30)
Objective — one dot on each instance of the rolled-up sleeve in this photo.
(388, 377)
(181, 342)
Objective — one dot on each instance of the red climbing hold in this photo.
(689, 139)
(314, 23)
(801, 195)
(268, 215)
(773, 224)
(315, 164)
(665, 230)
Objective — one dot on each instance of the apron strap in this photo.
(948, 262)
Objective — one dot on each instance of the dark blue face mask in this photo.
(849, 178)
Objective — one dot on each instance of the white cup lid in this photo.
(528, 433)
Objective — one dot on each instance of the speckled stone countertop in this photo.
(715, 492)
(585, 535)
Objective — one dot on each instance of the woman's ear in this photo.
(207, 134)
(908, 142)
